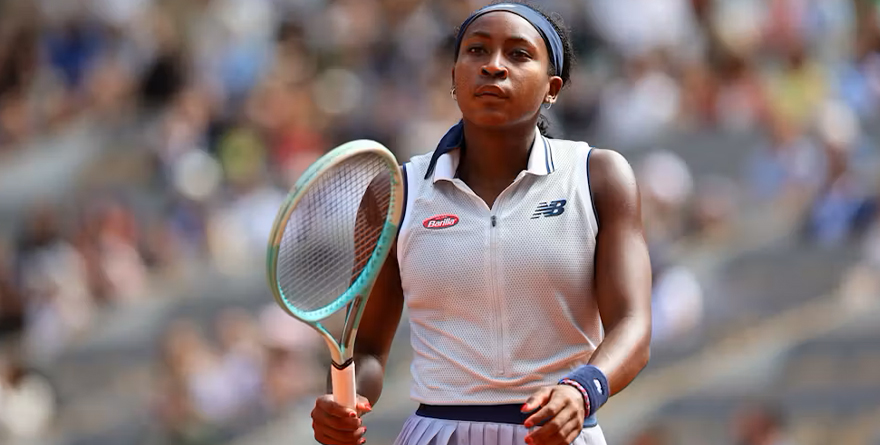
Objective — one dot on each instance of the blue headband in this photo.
(548, 32)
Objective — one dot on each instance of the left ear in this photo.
(553, 91)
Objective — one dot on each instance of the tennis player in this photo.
(520, 258)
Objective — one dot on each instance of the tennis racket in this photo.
(329, 241)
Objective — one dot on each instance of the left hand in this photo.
(561, 415)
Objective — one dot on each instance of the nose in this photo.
(494, 68)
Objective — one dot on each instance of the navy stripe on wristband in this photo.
(592, 380)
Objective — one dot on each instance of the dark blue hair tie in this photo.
(548, 32)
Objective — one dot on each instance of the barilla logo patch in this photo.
(440, 222)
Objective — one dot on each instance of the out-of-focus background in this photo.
(145, 146)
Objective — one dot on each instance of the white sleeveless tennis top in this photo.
(500, 299)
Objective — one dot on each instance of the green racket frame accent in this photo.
(359, 291)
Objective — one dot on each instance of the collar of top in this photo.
(444, 162)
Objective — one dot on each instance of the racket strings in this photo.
(332, 232)
(370, 221)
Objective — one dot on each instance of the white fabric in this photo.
(427, 431)
(497, 312)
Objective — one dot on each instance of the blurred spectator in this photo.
(784, 170)
(632, 25)
(741, 101)
(250, 201)
(291, 350)
(72, 46)
(163, 75)
(667, 189)
(760, 424)
(653, 435)
(12, 312)
(242, 356)
(117, 243)
(713, 213)
(55, 279)
(194, 398)
(858, 82)
(666, 186)
(738, 26)
(183, 127)
(258, 366)
(676, 301)
(643, 104)
(801, 84)
(16, 114)
(842, 206)
(282, 108)
(28, 400)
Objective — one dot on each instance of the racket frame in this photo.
(355, 298)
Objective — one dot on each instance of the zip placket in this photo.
(498, 303)
(496, 298)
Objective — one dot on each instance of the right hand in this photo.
(335, 424)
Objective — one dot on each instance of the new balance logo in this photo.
(548, 209)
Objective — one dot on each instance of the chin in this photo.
(490, 118)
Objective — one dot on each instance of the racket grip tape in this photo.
(344, 384)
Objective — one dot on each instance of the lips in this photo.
(491, 90)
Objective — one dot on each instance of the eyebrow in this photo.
(515, 37)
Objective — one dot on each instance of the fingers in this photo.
(334, 424)
(550, 410)
(558, 431)
(327, 404)
(328, 412)
(347, 424)
(538, 399)
(558, 422)
(363, 406)
(332, 437)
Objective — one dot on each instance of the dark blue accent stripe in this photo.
(405, 192)
(454, 138)
(507, 414)
(546, 153)
(550, 150)
(590, 189)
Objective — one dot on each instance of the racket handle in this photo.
(344, 386)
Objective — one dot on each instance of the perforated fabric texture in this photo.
(498, 311)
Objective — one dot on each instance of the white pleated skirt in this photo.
(420, 430)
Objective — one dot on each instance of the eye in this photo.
(475, 50)
(521, 54)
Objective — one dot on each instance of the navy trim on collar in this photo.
(454, 138)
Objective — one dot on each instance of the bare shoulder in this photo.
(612, 179)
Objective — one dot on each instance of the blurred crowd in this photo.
(218, 105)
(211, 388)
(757, 423)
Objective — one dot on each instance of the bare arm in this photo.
(622, 270)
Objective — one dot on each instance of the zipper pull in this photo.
(493, 220)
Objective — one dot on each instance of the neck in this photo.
(497, 154)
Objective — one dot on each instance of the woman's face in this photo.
(501, 75)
